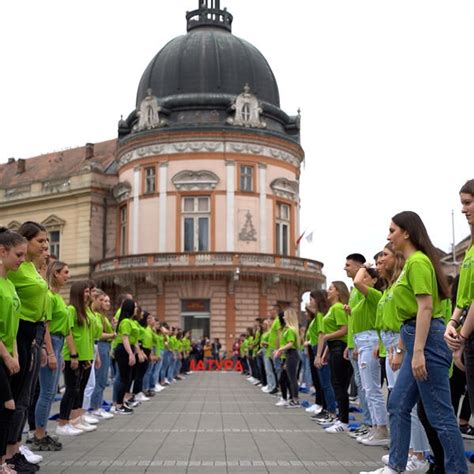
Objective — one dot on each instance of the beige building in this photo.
(195, 207)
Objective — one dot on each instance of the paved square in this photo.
(213, 422)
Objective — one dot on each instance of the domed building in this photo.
(200, 200)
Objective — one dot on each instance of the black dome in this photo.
(209, 60)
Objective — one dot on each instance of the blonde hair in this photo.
(291, 321)
(54, 267)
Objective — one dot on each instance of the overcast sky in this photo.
(386, 91)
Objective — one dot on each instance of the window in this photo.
(196, 223)
(54, 243)
(282, 229)
(150, 175)
(246, 178)
(123, 230)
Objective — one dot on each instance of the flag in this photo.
(309, 237)
(299, 239)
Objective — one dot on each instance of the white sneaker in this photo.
(90, 419)
(361, 438)
(30, 456)
(416, 465)
(113, 409)
(267, 389)
(166, 381)
(314, 408)
(264, 388)
(374, 440)
(385, 459)
(84, 426)
(338, 427)
(281, 403)
(141, 397)
(101, 413)
(159, 388)
(381, 470)
(67, 430)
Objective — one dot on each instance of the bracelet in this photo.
(455, 321)
(52, 355)
(74, 356)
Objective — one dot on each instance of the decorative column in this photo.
(162, 218)
(262, 185)
(230, 318)
(136, 209)
(230, 218)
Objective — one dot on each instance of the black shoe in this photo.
(21, 465)
(319, 416)
(273, 392)
(124, 410)
(467, 431)
(46, 444)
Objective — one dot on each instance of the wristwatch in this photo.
(74, 356)
(399, 350)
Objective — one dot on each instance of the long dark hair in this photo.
(76, 299)
(321, 298)
(10, 238)
(29, 229)
(381, 283)
(411, 223)
(127, 311)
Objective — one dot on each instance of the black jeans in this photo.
(469, 364)
(75, 381)
(319, 399)
(341, 373)
(457, 383)
(139, 370)
(125, 372)
(29, 339)
(289, 373)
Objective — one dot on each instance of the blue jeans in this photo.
(166, 363)
(271, 382)
(367, 420)
(171, 367)
(390, 341)
(277, 366)
(305, 369)
(152, 375)
(436, 396)
(48, 380)
(101, 375)
(369, 369)
(324, 375)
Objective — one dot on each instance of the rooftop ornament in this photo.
(209, 13)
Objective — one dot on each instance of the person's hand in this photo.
(52, 361)
(141, 357)
(131, 359)
(43, 358)
(345, 354)
(97, 363)
(395, 359)
(347, 309)
(418, 366)
(452, 338)
(457, 358)
(306, 343)
(355, 354)
(376, 352)
(74, 364)
(318, 362)
(276, 354)
(12, 365)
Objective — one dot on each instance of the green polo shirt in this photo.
(83, 337)
(334, 319)
(59, 322)
(274, 334)
(314, 329)
(465, 294)
(9, 311)
(364, 313)
(288, 335)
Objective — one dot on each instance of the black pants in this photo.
(341, 373)
(6, 415)
(24, 382)
(469, 364)
(125, 372)
(75, 381)
(319, 399)
(139, 370)
(261, 369)
(289, 373)
(458, 388)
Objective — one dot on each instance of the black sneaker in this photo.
(467, 431)
(293, 404)
(46, 444)
(273, 392)
(124, 410)
(20, 464)
(319, 416)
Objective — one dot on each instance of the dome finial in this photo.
(209, 13)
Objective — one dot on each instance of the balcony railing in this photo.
(224, 261)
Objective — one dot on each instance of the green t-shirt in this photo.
(417, 278)
(243, 348)
(83, 337)
(314, 329)
(148, 338)
(288, 335)
(59, 321)
(32, 291)
(264, 343)
(355, 298)
(95, 323)
(9, 312)
(159, 343)
(387, 318)
(128, 327)
(465, 294)
(274, 334)
(186, 344)
(106, 325)
(334, 319)
(364, 313)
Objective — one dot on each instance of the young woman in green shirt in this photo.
(288, 352)
(331, 346)
(424, 373)
(57, 275)
(13, 250)
(32, 290)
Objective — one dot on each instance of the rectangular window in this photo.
(54, 243)
(282, 229)
(150, 180)
(246, 178)
(196, 224)
(123, 230)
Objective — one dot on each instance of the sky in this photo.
(386, 91)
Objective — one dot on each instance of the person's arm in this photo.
(359, 281)
(342, 331)
(128, 348)
(52, 360)
(72, 349)
(451, 335)
(10, 362)
(287, 346)
(423, 321)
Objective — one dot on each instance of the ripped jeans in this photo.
(369, 368)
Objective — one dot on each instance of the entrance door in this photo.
(196, 317)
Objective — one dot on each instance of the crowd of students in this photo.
(42, 337)
(403, 321)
